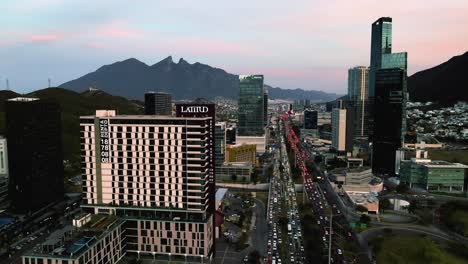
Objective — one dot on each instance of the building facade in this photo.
(310, 119)
(387, 138)
(3, 169)
(220, 142)
(358, 92)
(339, 129)
(155, 172)
(251, 116)
(35, 155)
(158, 103)
(439, 176)
(381, 43)
(241, 153)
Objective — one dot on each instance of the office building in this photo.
(234, 171)
(220, 142)
(310, 119)
(339, 129)
(251, 106)
(438, 176)
(94, 239)
(241, 153)
(388, 109)
(3, 169)
(158, 103)
(35, 158)
(265, 108)
(230, 136)
(156, 173)
(381, 43)
(358, 93)
(260, 142)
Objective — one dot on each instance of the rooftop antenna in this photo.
(7, 84)
(49, 82)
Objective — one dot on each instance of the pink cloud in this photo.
(42, 38)
(117, 29)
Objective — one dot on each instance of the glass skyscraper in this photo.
(381, 43)
(251, 105)
(358, 93)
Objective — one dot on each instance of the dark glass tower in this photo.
(158, 103)
(251, 106)
(388, 110)
(33, 129)
(310, 119)
(358, 93)
(381, 43)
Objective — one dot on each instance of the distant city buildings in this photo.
(158, 103)
(251, 118)
(35, 158)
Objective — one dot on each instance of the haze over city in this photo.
(305, 44)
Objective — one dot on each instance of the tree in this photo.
(402, 188)
(365, 219)
(254, 176)
(234, 177)
(361, 208)
(384, 205)
(254, 257)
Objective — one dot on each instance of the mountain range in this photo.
(446, 83)
(131, 78)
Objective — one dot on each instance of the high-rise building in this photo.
(339, 129)
(381, 43)
(358, 93)
(310, 119)
(155, 173)
(3, 169)
(158, 103)
(265, 108)
(35, 158)
(388, 109)
(220, 142)
(251, 106)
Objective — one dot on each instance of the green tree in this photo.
(234, 177)
(365, 219)
(384, 204)
(361, 208)
(402, 188)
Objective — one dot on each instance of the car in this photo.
(339, 252)
(324, 239)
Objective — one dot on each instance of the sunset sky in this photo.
(295, 44)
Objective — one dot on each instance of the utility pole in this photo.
(330, 238)
(49, 82)
(7, 84)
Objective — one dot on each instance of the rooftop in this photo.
(70, 242)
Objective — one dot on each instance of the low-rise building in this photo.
(234, 171)
(440, 176)
(241, 153)
(260, 142)
(101, 240)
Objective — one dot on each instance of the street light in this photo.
(154, 255)
(138, 254)
(185, 255)
(201, 258)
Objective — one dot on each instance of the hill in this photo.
(131, 78)
(446, 83)
(73, 105)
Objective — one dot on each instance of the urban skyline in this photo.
(308, 54)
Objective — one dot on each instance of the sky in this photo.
(295, 44)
